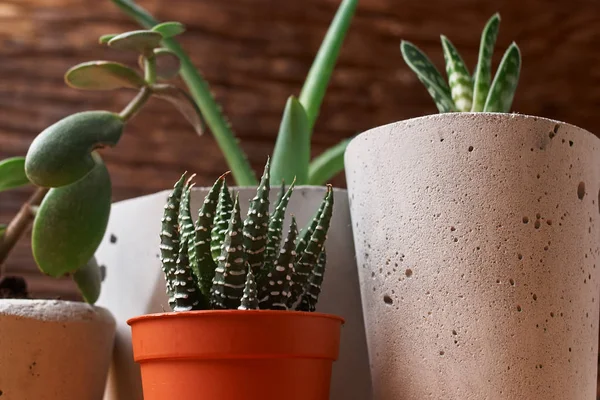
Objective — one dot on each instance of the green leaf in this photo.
(314, 88)
(167, 63)
(103, 75)
(3, 229)
(328, 164)
(257, 223)
(141, 41)
(250, 297)
(169, 29)
(221, 222)
(292, 148)
(12, 173)
(505, 83)
(106, 38)
(428, 75)
(71, 222)
(89, 280)
(483, 72)
(309, 299)
(61, 154)
(183, 102)
(461, 83)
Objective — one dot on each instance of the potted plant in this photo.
(231, 313)
(44, 341)
(476, 233)
(132, 230)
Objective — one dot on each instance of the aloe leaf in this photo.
(185, 222)
(222, 217)
(461, 82)
(230, 275)
(257, 223)
(186, 294)
(306, 234)
(104, 39)
(89, 280)
(428, 75)
(250, 297)
(103, 75)
(169, 29)
(309, 299)
(291, 155)
(62, 153)
(328, 164)
(505, 83)
(318, 77)
(143, 41)
(71, 221)
(12, 173)
(483, 72)
(183, 102)
(275, 291)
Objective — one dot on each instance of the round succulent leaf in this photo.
(167, 63)
(140, 41)
(183, 102)
(106, 38)
(62, 153)
(169, 29)
(71, 222)
(89, 280)
(12, 173)
(103, 75)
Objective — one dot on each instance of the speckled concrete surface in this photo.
(477, 240)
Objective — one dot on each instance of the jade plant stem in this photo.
(136, 104)
(19, 225)
(150, 69)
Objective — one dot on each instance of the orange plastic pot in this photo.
(235, 355)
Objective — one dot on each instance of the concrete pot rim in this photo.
(55, 311)
(460, 115)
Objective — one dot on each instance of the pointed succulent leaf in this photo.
(257, 224)
(103, 75)
(280, 194)
(142, 41)
(89, 280)
(291, 155)
(186, 295)
(275, 291)
(62, 153)
(104, 39)
(310, 228)
(221, 222)
(505, 83)
(71, 221)
(169, 29)
(428, 75)
(185, 221)
(12, 173)
(328, 164)
(483, 72)
(183, 102)
(310, 297)
(461, 83)
(250, 297)
(230, 275)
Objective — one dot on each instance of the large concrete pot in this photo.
(135, 284)
(54, 350)
(477, 240)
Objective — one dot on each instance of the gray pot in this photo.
(477, 240)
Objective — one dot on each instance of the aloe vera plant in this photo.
(465, 92)
(252, 270)
(291, 155)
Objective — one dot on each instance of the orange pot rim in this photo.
(200, 313)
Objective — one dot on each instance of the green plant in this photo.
(291, 156)
(250, 271)
(70, 208)
(465, 92)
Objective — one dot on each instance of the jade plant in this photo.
(465, 92)
(291, 155)
(69, 210)
(223, 262)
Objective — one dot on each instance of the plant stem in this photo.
(136, 104)
(236, 159)
(150, 69)
(19, 225)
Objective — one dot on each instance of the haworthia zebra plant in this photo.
(222, 262)
(465, 92)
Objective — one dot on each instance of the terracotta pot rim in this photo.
(233, 313)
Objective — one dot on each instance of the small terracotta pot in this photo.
(233, 355)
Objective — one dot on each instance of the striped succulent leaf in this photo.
(275, 292)
(505, 83)
(257, 224)
(309, 299)
(221, 223)
(483, 72)
(169, 236)
(184, 218)
(309, 257)
(308, 231)
(230, 274)
(250, 297)
(461, 83)
(186, 294)
(429, 76)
